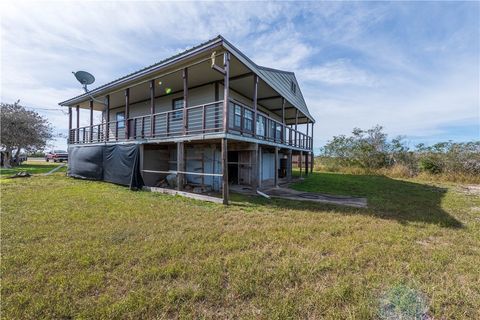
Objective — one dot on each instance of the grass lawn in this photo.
(32, 167)
(83, 249)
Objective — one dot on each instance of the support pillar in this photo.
(289, 165)
(307, 155)
(259, 169)
(152, 108)
(296, 127)
(300, 160)
(127, 113)
(255, 103)
(275, 176)
(180, 164)
(254, 169)
(91, 120)
(69, 124)
(185, 100)
(311, 162)
(78, 123)
(226, 90)
(107, 117)
(224, 171)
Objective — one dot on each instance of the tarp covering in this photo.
(113, 163)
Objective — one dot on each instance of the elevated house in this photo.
(209, 117)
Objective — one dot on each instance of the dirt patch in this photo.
(473, 189)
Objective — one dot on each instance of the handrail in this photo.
(202, 118)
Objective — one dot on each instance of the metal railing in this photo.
(205, 118)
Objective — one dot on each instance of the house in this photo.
(207, 117)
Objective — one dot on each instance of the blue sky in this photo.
(412, 67)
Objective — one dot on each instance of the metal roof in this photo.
(279, 80)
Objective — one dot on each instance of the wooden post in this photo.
(259, 167)
(283, 120)
(152, 108)
(307, 155)
(225, 171)
(289, 165)
(275, 176)
(226, 95)
(185, 100)
(296, 127)
(127, 112)
(69, 124)
(255, 104)
(300, 159)
(180, 164)
(107, 118)
(254, 168)
(91, 120)
(78, 123)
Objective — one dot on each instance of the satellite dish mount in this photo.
(85, 78)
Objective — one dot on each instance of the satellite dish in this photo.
(84, 77)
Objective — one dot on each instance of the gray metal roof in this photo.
(279, 80)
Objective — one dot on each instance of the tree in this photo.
(21, 129)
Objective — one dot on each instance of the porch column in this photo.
(107, 118)
(307, 155)
(226, 86)
(255, 102)
(185, 100)
(311, 147)
(300, 160)
(283, 120)
(260, 161)
(91, 120)
(289, 165)
(127, 112)
(69, 124)
(152, 108)
(254, 169)
(296, 126)
(224, 171)
(180, 165)
(78, 123)
(275, 176)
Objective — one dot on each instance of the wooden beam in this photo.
(107, 118)
(296, 128)
(78, 123)
(300, 160)
(91, 120)
(241, 76)
(127, 112)
(289, 165)
(225, 170)
(255, 104)
(307, 155)
(259, 168)
(69, 124)
(185, 99)
(280, 109)
(275, 176)
(180, 165)
(269, 98)
(254, 167)
(226, 86)
(152, 108)
(283, 120)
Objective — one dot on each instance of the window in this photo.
(293, 86)
(237, 119)
(260, 125)
(177, 104)
(248, 116)
(120, 118)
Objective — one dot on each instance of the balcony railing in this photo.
(201, 119)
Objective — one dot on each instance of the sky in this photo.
(412, 67)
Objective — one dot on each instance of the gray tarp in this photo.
(113, 163)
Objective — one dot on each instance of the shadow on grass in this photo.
(388, 198)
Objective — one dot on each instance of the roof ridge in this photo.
(274, 70)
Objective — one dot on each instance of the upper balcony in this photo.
(203, 121)
(183, 98)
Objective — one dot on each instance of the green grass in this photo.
(32, 167)
(93, 250)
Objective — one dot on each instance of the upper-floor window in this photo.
(177, 104)
(120, 118)
(293, 86)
